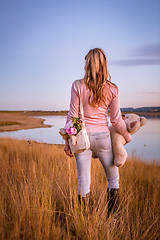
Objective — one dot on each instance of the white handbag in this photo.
(80, 142)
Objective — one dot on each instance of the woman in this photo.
(98, 95)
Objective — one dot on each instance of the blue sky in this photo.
(43, 44)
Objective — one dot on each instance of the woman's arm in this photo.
(73, 112)
(116, 118)
(74, 102)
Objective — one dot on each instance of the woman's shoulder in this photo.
(112, 88)
(111, 84)
(76, 82)
(75, 85)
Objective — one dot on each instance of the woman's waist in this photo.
(91, 128)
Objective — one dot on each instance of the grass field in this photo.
(38, 197)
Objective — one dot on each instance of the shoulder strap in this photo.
(80, 101)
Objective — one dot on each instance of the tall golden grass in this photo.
(38, 197)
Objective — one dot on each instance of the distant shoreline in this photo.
(64, 113)
(13, 121)
(19, 120)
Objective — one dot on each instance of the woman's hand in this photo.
(67, 149)
(128, 138)
(127, 141)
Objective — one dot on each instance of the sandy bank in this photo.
(18, 121)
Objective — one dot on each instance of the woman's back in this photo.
(96, 119)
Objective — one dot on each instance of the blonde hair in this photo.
(96, 75)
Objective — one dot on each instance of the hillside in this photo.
(142, 109)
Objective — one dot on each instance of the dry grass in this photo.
(38, 197)
(6, 123)
(17, 120)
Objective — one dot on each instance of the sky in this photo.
(43, 44)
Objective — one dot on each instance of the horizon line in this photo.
(3, 110)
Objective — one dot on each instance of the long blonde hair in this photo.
(96, 75)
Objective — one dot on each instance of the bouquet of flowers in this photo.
(72, 128)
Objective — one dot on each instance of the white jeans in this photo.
(100, 144)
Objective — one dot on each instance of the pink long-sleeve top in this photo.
(96, 119)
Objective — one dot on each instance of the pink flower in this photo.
(71, 131)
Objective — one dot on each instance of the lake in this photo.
(145, 143)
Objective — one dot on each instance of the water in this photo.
(145, 143)
(47, 135)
